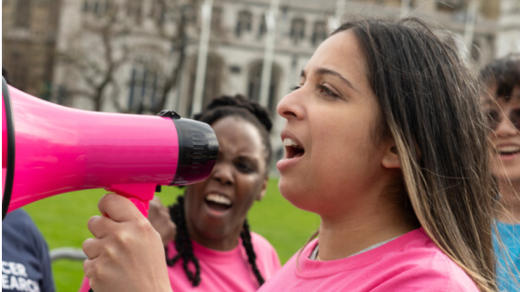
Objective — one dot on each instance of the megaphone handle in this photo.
(139, 194)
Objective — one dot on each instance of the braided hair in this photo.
(217, 109)
(183, 244)
(240, 106)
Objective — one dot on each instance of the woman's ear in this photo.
(391, 157)
(263, 190)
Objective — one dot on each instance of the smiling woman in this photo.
(501, 97)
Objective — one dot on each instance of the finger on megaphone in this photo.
(118, 208)
(94, 270)
(91, 248)
(101, 226)
(89, 268)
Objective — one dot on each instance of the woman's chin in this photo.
(507, 174)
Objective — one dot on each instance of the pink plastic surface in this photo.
(60, 149)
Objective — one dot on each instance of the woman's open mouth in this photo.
(292, 148)
(293, 152)
(218, 202)
(507, 152)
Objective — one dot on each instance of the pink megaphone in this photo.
(49, 149)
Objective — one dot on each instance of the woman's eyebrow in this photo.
(325, 71)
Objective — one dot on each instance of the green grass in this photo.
(63, 220)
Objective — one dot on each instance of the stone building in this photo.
(237, 43)
(28, 43)
(140, 56)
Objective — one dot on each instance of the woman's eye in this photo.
(296, 87)
(323, 89)
(245, 166)
(493, 119)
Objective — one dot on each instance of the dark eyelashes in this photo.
(322, 89)
(296, 87)
(327, 91)
(245, 167)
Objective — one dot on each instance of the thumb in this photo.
(118, 208)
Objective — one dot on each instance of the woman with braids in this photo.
(384, 140)
(210, 217)
(213, 249)
(501, 96)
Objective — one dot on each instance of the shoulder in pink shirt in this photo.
(226, 270)
(411, 262)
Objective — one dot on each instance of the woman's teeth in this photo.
(508, 150)
(288, 142)
(292, 148)
(218, 199)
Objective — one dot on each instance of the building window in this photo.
(262, 28)
(158, 12)
(17, 69)
(243, 23)
(96, 7)
(85, 6)
(134, 9)
(254, 84)
(216, 18)
(22, 15)
(297, 32)
(319, 32)
(143, 88)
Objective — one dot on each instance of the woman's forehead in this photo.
(340, 51)
(490, 98)
(502, 102)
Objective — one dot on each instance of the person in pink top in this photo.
(209, 246)
(385, 140)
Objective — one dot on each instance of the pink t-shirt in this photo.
(223, 270)
(411, 262)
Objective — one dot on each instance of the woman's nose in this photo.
(290, 106)
(506, 128)
(223, 173)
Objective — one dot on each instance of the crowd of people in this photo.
(390, 140)
(411, 161)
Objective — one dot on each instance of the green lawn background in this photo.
(62, 220)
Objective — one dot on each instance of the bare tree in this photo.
(96, 59)
(167, 21)
(181, 15)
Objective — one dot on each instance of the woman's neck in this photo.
(226, 244)
(342, 237)
(216, 240)
(509, 209)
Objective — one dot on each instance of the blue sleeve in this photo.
(25, 254)
(40, 245)
(47, 281)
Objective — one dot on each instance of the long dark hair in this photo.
(219, 108)
(430, 106)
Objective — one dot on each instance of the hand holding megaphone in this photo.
(48, 149)
(127, 253)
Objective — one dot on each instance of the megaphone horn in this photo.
(49, 149)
